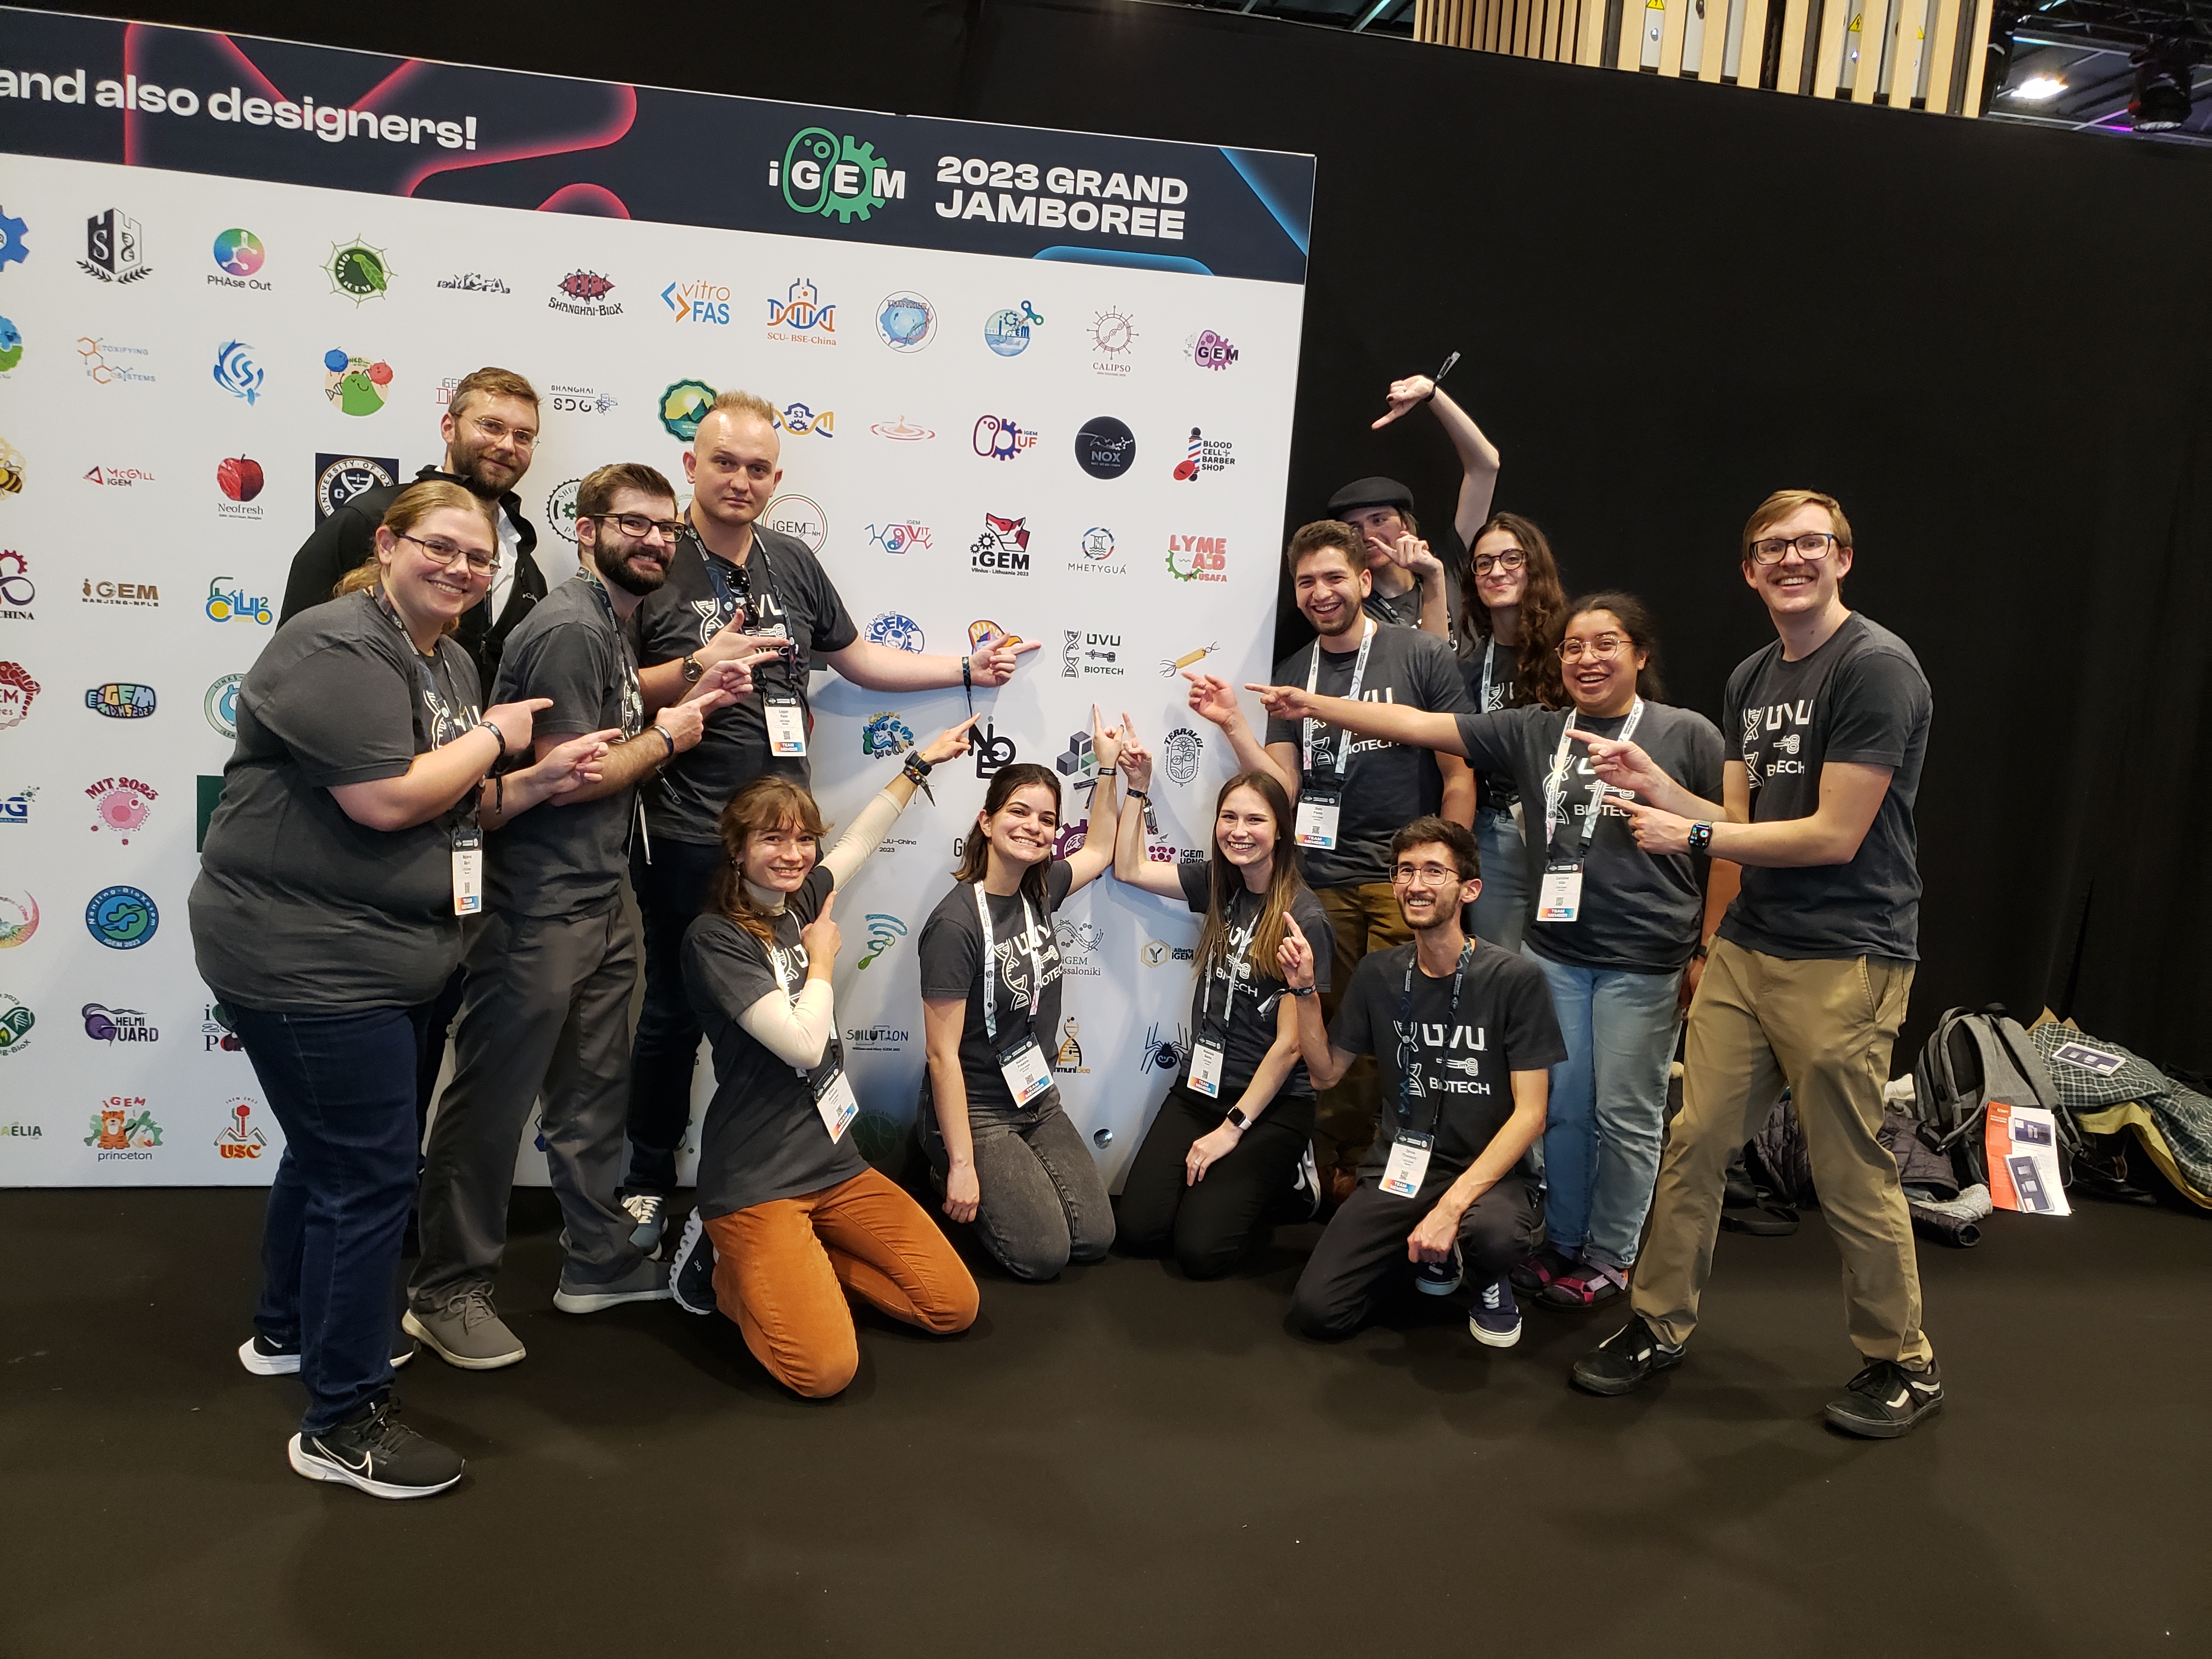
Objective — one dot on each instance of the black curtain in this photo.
(1990, 342)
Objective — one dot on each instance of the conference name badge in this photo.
(1560, 898)
(468, 870)
(1205, 1068)
(786, 728)
(834, 1099)
(1316, 820)
(1409, 1164)
(1022, 1064)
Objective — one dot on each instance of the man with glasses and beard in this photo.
(489, 429)
(552, 963)
(1464, 1035)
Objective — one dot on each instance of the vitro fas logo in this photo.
(697, 300)
(1198, 558)
(1003, 547)
(836, 176)
(802, 317)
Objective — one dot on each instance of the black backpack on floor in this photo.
(1973, 1056)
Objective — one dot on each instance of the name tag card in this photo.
(835, 1100)
(1409, 1164)
(1560, 898)
(1022, 1064)
(1317, 818)
(1206, 1068)
(786, 727)
(468, 870)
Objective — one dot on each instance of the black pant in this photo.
(1208, 1227)
(1362, 1251)
(672, 890)
(433, 1024)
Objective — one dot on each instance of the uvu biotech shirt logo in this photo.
(120, 806)
(802, 317)
(1198, 558)
(114, 248)
(122, 1128)
(836, 176)
(1441, 1059)
(1773, 740)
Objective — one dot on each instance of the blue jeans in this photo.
(1609, 1109)
(342, 1088)
(1501, 909)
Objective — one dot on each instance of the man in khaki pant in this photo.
(1806, 983)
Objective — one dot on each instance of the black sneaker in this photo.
(1624, 1360)
(691, 1275)
(1304, 1202)
(266, 1359)
(1439, 1277)
(378, 1454)
(1886, 1401)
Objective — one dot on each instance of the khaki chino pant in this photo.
(1364, 917)
(1825, 1029)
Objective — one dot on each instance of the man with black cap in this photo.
(1412, 584)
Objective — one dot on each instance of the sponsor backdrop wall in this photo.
(1031, 382)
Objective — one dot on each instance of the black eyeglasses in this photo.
(1811, 546)
(637, 526)
(443, 553)
(1512, 559)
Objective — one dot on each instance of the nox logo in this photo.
(1003, 548)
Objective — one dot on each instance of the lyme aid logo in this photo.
(1198, 558)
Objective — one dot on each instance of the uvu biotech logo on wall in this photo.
(1088, 655)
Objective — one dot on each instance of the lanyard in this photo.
(1489, 651)
(727, 594)
(460, 724)
(991, 961)
(1555, 782)
(1229, 969)
(1405, 1025)
(633, 694)
(1313, 678)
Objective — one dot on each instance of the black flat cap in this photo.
(1370, 492)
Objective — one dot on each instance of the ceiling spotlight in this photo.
(2038, 87)
(2164, 71)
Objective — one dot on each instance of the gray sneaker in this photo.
(646, 1282)
(466, 1331)
(650, 1212)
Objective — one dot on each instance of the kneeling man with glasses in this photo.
(1463, 1034)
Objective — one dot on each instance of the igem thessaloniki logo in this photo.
(17, 590)
(339, 479)
(359, 271)
(1002, 549)
(584, 294)
(122, 918)
(17, 688)
(221, 704)
(356, 386)
(239, 257)
(836, 176)
(114, 248)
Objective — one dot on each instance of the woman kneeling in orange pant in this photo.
(790, 1217)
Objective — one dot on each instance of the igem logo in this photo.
(122, 1128)
(840, 177)
(1002, 548)
(117, 700)
(359, 271)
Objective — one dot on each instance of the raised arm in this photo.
(1130, 864)
(1325, 1066)
(1095, 856)
(1479, 460)
(867, 830)
(1212, 698)
(1392, 722)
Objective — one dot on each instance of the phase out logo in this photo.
(239, 257)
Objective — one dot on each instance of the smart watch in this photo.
(1238, 1120)
(1701, 837)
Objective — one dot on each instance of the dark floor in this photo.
(1120, 1463)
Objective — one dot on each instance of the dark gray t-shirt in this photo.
(790, 594)
(1385, 784)
(1639, 912)
(1859, 698)
(952, 966)
(763, 1138)
(1488, 667)
(559, 858)
(1247, 1036)
(297, 907)
(1404, 610)
(1462, 1088)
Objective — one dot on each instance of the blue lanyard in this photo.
(633, 694)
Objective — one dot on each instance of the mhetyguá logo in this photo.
(837, 176)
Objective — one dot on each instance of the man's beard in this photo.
(1439, 915)
(473, 478)
(630, 580)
